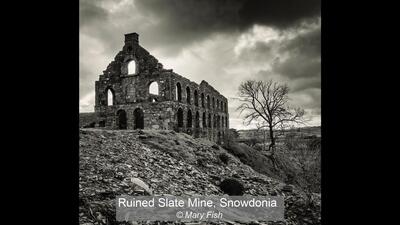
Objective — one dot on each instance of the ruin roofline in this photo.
(203, 83)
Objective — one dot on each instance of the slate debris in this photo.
(113, 163)
(287, 188)
(224, 158)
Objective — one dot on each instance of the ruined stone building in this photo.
(136, 92)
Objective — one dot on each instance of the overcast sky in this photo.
(221, 41)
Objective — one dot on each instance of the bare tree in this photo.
(266, 103)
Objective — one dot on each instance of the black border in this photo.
(41, 157)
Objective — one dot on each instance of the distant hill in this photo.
(298, 132)
(87, 119)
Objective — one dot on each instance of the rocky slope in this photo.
(169, 163)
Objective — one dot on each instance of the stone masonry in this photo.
(136, 92)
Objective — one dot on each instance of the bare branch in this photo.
(268, 101)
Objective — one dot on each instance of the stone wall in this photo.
(179, 104)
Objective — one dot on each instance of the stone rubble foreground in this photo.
(168, 163)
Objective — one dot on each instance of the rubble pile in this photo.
(148, 162)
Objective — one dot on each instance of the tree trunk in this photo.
(265, 139)
(272, 144)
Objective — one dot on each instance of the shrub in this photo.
(259, 147)
(306, 153)
(314, 144)
(232, 186)
(224, 158)
(237, 151)
(290, 142)
(251, 142)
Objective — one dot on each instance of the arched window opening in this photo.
(188, 95)
(222, 119)
(180, 117)
(213, 103)
(178, 92)
(217, 104)
(215, 121)
(110, 97)
(121, 119)
(226, 122)
(197, 123)
(209, 120)
(153, 88)
(196, 98)
(132, 67)
(204, 120)
(202, 100)
(189, 119)
(208, 101)
(138, 119)
(102, 123)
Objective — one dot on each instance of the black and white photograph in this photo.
(200, 99)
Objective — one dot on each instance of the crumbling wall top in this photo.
(132, 38)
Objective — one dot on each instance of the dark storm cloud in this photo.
(173, 24)
(306, 83)
(303, 68)
(294, 57)
(278, 13)
(297, 66)
(206, 15)
(260, 51)
(303, 64)
(183, 22)
(308, 43)
(297, 59)
(90, 11)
